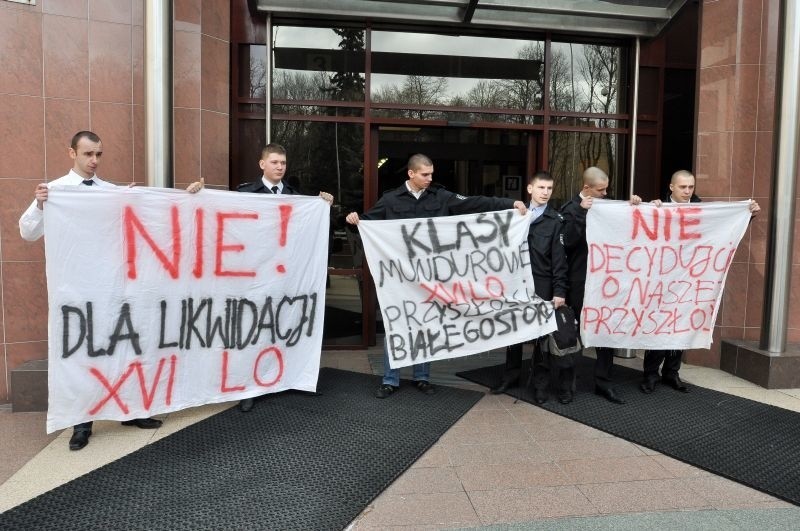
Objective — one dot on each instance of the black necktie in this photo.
(87, 182)
(274, 189)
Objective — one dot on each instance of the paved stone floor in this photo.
(504, 465)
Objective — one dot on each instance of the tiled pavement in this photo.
(504, 465)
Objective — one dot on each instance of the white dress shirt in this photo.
(412, 192)
(31, 224)
(269, 185)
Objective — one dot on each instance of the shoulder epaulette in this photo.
(246, 187)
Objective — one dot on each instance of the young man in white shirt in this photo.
(86, 151)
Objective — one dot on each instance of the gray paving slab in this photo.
(778, 519)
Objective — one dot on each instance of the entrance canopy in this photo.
(630, 18)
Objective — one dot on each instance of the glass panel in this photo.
(252, 71)
(587, 78)
(343, 319)
(318, 64)
(593, 122)
(319, 110)
(327, 157)
(467, 118)
(458, 71)
(571, 153)
(259, 109)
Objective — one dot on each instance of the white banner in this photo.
(160, 300)
(655, 275)
(454, 286)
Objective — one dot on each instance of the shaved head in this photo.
(595, 183)
(418, 161)
(679, 174)
(681, 186)
(593, 176)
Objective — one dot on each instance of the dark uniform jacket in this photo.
(434, 202)
(257, 187)
(577, 250)
(548, 258)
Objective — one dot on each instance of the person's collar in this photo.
(77, 177)
(81, 177)
(411, 190)
(408, 186)
(583, 196)
(268, 185)
(672, 200)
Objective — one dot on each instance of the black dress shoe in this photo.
(609, 394)
(385, 391)
(676, 383)
(246, 405)
(540, 396)
(425, 387)
(647, 387)
(145, 424)
(565, 397)
(79, 439)
(504, 386)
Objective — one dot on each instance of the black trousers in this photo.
(603, 366)
(654, 358)
(543, 362)
(605, 356)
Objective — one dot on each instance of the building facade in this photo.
(352, 94)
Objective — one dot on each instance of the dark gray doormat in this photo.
(749, 442)
(294, 462)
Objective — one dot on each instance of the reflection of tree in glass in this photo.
(325, 156)
(486, 93)
(563, 147)
(525, 93)
(600, 71)
(415, 90)
(560, 81)
(348, 85)
(483, 93)
(347, 148)
(298, 85)
(258, 78)
(597, 80)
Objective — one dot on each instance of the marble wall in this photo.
(79, 64)
(735, 109)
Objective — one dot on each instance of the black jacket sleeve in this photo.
(378, 210)
(559, 262)
(459, 204)
(574, 225)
